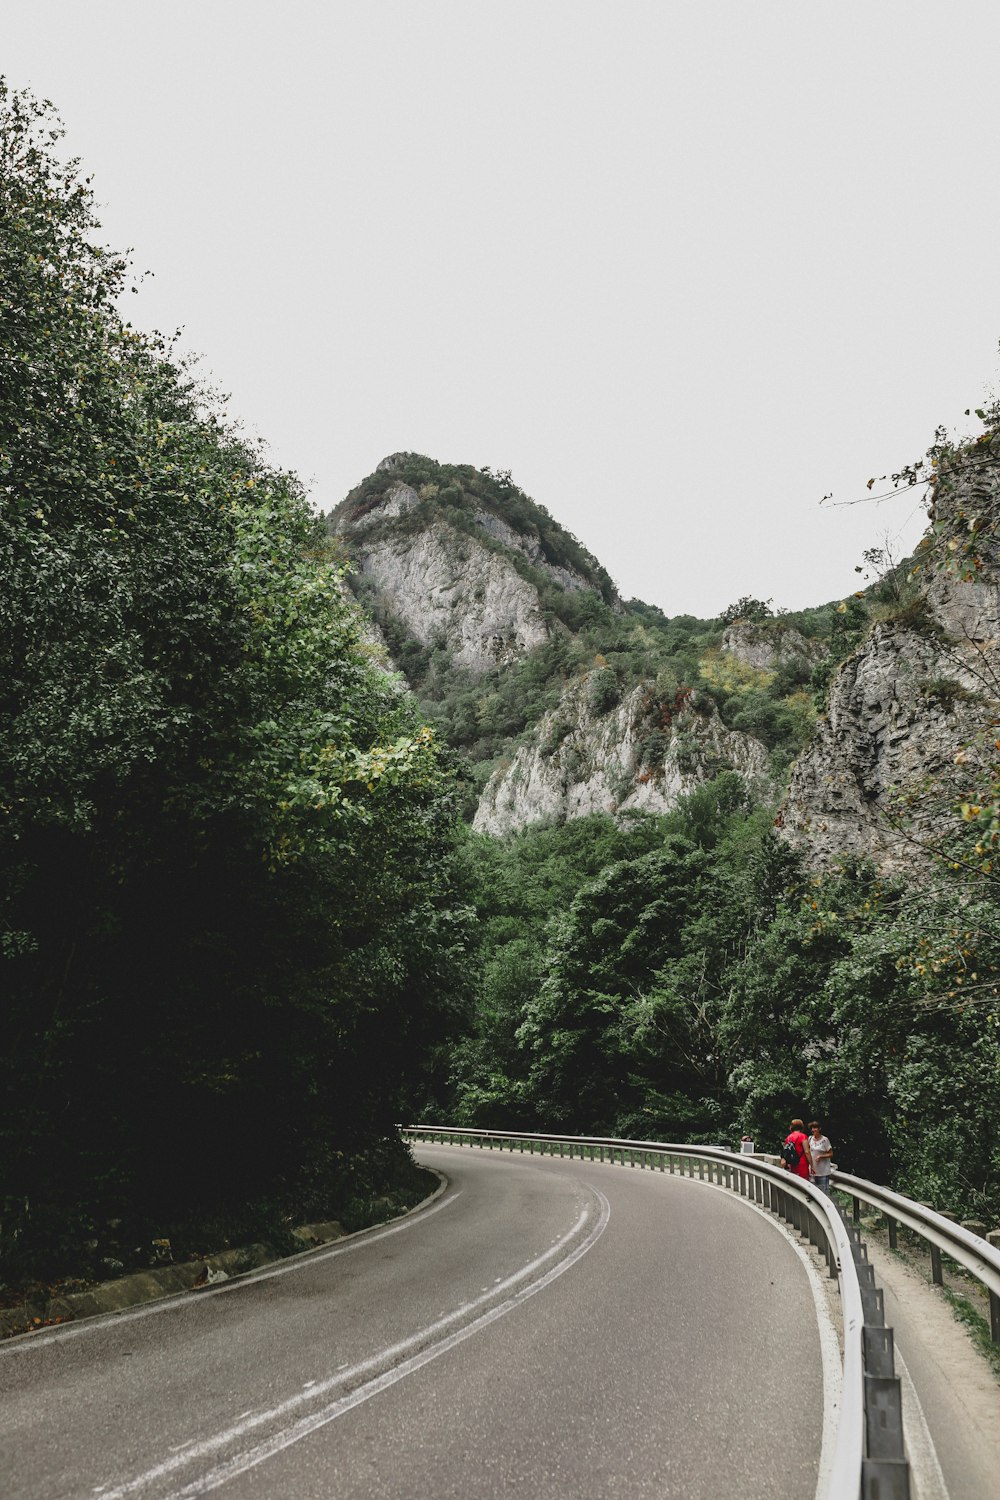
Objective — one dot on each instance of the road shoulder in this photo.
(959, 1396)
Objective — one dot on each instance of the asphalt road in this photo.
(544, 1329)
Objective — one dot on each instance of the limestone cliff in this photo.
(447, 591)
(884, 766)
(459, 560)
(770, 644)
(636, 755)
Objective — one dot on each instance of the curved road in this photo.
(544, 1328)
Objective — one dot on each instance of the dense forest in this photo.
(686, 978)
(232, 916)
(245, 927)
(691, 976)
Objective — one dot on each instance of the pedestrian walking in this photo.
(821, 1153)
(795, 1152)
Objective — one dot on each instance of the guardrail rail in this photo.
(868, 1459)
(942, 1234)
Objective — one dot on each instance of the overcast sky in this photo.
(682, 267)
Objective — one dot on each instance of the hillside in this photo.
(791, 909)
(563, 698)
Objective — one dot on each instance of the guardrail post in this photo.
(883, 1417)
(671, 1161)
(873, 1305)
(891, 1225)
(936, 1274)
(885, 1479)
(856, 1210)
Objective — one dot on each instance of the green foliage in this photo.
(747, 608)
(230, 920)
(681, 979)
(603, 692)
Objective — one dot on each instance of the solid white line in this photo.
(926, 1474)
(442, 1341)
(829, 1345)
(301, 1260)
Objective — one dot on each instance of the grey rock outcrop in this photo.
(887, 762)
(447, 588)
(496, 527)
(769, 645)
(581, 761)
(449, 592)
(396, 502)
(900, 710)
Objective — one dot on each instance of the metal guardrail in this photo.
(868, 1461)
(942, 1234)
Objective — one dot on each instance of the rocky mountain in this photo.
(565, 699)
(912, 710)
(454, 558)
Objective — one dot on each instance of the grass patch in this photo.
(977, 1326)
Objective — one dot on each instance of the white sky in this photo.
(682, 267)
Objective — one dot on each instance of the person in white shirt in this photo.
(822, 1153)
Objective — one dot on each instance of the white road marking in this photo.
(303, 1260)
(441, 1342)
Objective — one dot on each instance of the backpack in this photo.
(791, 1155)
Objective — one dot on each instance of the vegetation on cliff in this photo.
(590, 630)
(690, 977)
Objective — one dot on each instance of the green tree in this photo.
(229, 921)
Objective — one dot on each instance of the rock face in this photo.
(497, 528)
(768, 645)
(450, 593)
(904, 706)
(636, 756)
(447, 588)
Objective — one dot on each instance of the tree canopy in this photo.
(229, 917)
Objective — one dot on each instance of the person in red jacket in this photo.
(797, 1138)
